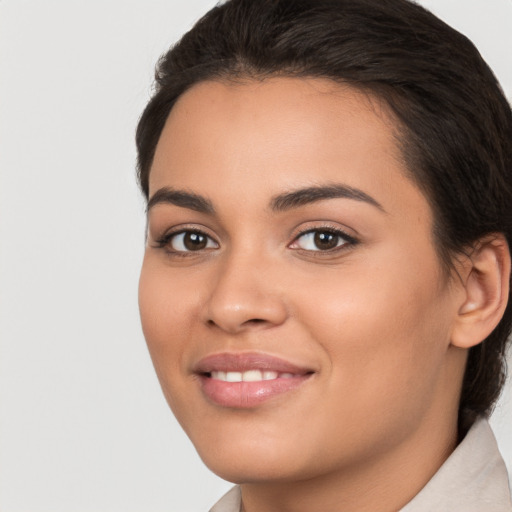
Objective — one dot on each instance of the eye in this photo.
(187, 241)
(321, 240)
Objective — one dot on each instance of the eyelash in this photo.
(347, 240)
(165, 241)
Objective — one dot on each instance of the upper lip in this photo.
(241, 362)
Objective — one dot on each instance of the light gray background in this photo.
(83, 424)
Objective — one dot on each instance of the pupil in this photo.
(194, 241)
(325, 240)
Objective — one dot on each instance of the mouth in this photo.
(249, 376)
(244, 381)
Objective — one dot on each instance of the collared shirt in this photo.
(473, 479)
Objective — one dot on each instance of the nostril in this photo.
(254, 321)
(247, 323)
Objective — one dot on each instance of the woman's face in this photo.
(291, 295)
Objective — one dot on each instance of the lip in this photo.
(244, 395)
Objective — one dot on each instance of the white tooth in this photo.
(269, 375)
(286, 375)
(219, 375)
(252, 376)
(233, 376)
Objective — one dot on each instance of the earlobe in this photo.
(486, 280)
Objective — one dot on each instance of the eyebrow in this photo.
(304, 196)
(279, 203)
(182, 199)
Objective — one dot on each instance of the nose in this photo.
(245, 296)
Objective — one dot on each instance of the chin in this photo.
(250, 458)
(249, 469)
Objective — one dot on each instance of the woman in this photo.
(325, 289)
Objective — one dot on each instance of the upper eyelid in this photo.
(183, 228)
(324, 226)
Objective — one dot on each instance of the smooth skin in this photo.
(351, 287)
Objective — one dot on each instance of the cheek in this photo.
(165, 313)
(167, 301)
(385, 330)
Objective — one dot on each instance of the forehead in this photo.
(267, 136)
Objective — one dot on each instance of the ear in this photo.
(485, 276)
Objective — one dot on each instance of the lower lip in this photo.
(244, 395)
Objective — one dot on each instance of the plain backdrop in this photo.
(83, 424)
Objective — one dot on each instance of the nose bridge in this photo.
(244, 295)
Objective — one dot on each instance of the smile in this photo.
(249, 376)
(244, 381)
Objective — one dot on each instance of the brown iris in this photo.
(194, 241)
(325, 240)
